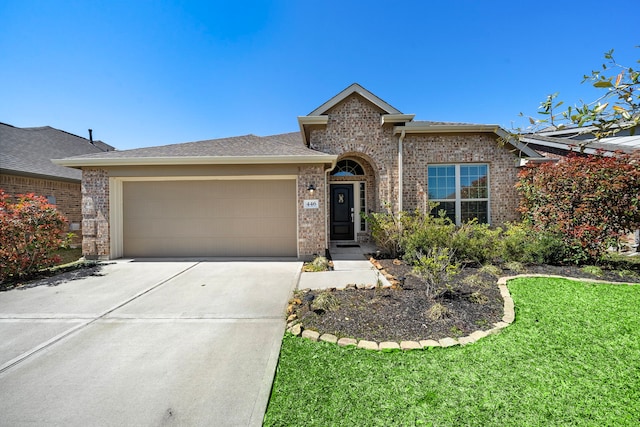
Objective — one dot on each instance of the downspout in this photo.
(400, 171)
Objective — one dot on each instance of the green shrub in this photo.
(435, 268)
(423, 232)
(386, 232)
(491, 270)
(521, 243)
(476, 243)
(318, 264)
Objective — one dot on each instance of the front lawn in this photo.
(572, 357)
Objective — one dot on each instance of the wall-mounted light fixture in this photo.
(311, 189)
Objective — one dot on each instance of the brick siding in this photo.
(66, 193)
(95, 214)
(312, 233)
(354, 131)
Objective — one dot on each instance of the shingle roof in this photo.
(287, 144)
(30, 150)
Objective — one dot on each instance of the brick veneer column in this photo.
(312, 233)
(95, 214)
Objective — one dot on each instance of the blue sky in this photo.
(142, 73)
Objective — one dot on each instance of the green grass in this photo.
(572, 357)
(69, 255)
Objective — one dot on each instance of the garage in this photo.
(209, 217)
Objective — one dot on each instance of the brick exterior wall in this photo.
(67, 195)
(422, 150)
(354, 131)
(95, 214)
(312, 232)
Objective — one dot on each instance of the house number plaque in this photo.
(312, 204)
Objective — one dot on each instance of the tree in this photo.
(618, 107)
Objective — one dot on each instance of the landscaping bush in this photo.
(435, 267)
(476, 243)
(31, 230)
(423, 232)
(589, 202)
(386, 231)
(521, 243)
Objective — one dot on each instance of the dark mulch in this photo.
(402, 314)
(55, 276)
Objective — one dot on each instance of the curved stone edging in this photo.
(507, 319)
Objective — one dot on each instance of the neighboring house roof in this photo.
(28, 151)
(541, 142)
(247, 149)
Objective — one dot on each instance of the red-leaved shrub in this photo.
(588, 201)
(31, 230)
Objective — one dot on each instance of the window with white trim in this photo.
(462, 191)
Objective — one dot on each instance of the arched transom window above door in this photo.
(347, 168)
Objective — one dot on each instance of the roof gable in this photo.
(357, 89)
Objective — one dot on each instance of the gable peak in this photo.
(357, 89)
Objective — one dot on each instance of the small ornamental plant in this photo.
(31, 231)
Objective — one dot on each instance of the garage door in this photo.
(209, 218)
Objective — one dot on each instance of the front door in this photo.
(341, 223)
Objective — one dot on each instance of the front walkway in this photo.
(351, 266)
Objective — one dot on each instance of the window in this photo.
(51, 200)
(347, 168)
(461, 190)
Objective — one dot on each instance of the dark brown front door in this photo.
(341, 222)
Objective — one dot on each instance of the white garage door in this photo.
(209, 218)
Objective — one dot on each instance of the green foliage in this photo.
(587, 202)
(617, 108)
(435, 268)
(423, 232)
(31, 231)
(477, 243)
(318, 264)
(521, 243)
(386, 231)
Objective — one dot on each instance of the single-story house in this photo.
(26, 166)
(293, 194)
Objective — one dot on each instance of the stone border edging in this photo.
(508, 318)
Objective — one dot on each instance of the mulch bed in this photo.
(403, 314)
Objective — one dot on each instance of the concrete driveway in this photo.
(145, 344)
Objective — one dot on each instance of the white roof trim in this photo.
(197, 160)
(354, 88)
(396, 118)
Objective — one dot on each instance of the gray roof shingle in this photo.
(30, 150)
(287, 144)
